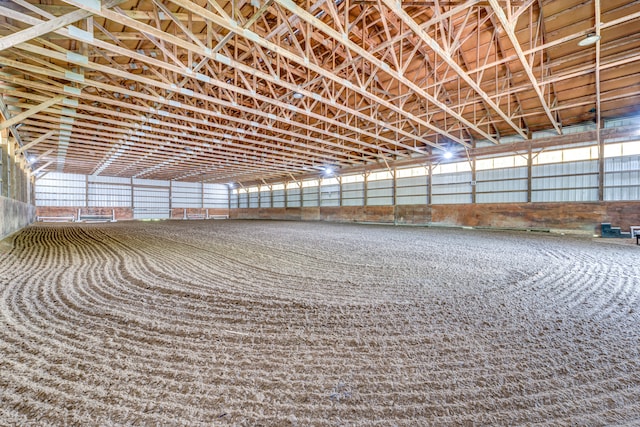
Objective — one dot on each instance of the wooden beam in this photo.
(46, 27)
(204, 52)
(344, 39)
(25, 114)
(42, 156)
(433, 45)
(37, 141)
(42, 167)
(509, 30)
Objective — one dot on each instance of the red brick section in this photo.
(571, 216)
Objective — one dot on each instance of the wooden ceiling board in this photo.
(207, 89)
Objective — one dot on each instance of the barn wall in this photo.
(63, 194)
(584, 218)
(16, 187)
(14, 215)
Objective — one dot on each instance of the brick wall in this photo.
(582, 218)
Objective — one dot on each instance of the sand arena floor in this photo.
(284, 323)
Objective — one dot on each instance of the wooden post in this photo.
(473, 179)
(529, 172)
(430, 184)
(365, 191)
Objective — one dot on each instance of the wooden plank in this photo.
(26, 114)
(37, 141)
(46, 27)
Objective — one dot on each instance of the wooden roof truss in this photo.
(253, 91)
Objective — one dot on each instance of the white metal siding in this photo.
(265, 198)
(216, 196)
(622, 178)
(186, 194)
(61, 189)
(380, 193)
(310, 196)
(278, 198)
(151, 202)
(353, 194)
(330, 195)
(293, 197)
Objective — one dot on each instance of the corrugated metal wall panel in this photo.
(570, 168)
(254, 200)
(412, 200)
(451, 199)
(383, 183)
(500, 186)
(186, 194)
(352, 201)
(265, 199)
(109, 195)
(565, 195)
(278, 198)
(622, 193)
(233, 200)
(499, 174)
(502, 197)
(330, 195)
(243, 200)
(355, 186)
(151, 203)
(216, 196)
(411, 191)
(310, 196)
(293, 198)
(415, 181)
(451, 189)
(353, 194)
(617, 164)
(380, 201)
(451, 178)
(61, 189)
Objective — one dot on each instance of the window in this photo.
(349, 179)
(408, 173)
(329, 181)
(377, 176)
(452, 167)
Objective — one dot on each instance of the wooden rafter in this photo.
(272, 89)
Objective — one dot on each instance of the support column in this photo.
(601, 170)
(473, 180)
(286, 195)
(4, 164)
(394, 198)
(430, 184)
(529, 173)
(365, 191)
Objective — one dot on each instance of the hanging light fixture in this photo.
(589, 39)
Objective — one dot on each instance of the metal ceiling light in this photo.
(589, 39)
